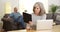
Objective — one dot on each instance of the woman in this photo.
(39, 13)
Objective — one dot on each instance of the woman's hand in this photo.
(30, 22)
(29, 25)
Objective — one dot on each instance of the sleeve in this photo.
(19, 14)
(44, 17)
(11, 15)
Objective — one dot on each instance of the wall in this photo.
(2, 6)
(28, 5)
(56, 2)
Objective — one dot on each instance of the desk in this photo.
(56, 28)
(41, 31)
(18, 31)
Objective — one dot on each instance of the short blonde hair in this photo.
(42, 10)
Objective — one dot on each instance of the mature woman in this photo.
(39, 14)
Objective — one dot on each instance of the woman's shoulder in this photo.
(44, 15)
(33, 14)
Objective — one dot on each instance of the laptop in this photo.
(27, 17)
(44, 24)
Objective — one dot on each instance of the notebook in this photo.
(44, 24)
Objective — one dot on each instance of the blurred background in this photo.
(52, 8)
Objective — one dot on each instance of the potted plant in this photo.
(53, 9)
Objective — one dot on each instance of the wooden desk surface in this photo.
(56, 28)
(30, 31)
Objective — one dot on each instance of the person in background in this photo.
(18, 18)
(39, 14)
(15, 14)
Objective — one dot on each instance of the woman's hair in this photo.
(42, 10)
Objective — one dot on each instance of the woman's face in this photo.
(37, 9)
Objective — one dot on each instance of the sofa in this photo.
(56, 17)
(8, 23)
(49, 16)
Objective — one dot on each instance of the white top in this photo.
(35, 18)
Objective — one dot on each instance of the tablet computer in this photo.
(27, 17)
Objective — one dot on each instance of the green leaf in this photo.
(53, 8)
